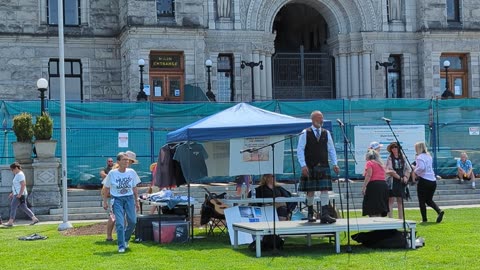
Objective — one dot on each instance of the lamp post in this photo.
(141, 95)
(210, 94)
(251, 65)
(42, 85)
(447, 93)
(385, 65)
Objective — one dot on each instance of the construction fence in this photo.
(93, 129)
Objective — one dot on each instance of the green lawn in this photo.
(452, 244)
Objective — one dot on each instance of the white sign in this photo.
(157, 91)
(177, 92)
(474, 131)
(239, 214)
(146, 89)
(123, 139)
(256, 161)
(407, 135)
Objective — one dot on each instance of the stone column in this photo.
(237, 24)
(343, 76)
(46, 188)
(268, 67)
(355, 91)
(256, 76)
(337, 77)
(263, 78)
(211, 14)
(367, 75)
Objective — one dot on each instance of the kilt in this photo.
(319, 179)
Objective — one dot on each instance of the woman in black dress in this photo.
(398, 172)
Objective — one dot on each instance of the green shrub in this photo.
(43, 128)
(23, 127)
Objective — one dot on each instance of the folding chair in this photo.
(212, 215)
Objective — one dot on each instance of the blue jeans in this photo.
(124, 207)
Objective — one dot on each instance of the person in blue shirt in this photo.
(465, 169)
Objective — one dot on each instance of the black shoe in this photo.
(310, 216)
(325, 217)
(440, 217)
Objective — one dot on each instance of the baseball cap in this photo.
(375, 145)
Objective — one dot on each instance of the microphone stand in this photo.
(400, 148)
(346, 147)
(272, 145)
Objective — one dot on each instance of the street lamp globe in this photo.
(141, 62)
(446, 64)
(208, 63)
(42, 83)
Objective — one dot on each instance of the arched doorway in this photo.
(302, 67)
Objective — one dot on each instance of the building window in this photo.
(453, 10)
(71, 12)
(455, 79)
(394, 10)
(225, 78)
(395, 77)
(165, 8)
(73, 79)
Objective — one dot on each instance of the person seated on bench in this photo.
(465, 169)
(265, 190)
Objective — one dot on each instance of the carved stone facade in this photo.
(112, 35)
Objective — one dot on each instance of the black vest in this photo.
(316, 151)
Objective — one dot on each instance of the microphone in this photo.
(249, 150)
(386, 119)
(340, 122)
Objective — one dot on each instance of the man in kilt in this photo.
(315, 147)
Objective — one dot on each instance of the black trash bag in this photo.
(382, 239)
(267, 243)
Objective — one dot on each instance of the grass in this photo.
(453, 244)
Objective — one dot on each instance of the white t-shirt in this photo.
(121, 184)
(16, 183)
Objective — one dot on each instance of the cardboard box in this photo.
(171, 232)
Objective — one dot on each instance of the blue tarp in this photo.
(239, 121)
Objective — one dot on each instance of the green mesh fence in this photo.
(93, 127)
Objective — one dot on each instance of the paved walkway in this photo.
(23, 222)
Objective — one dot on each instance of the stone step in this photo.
(86, 204)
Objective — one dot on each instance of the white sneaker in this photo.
(121, 250)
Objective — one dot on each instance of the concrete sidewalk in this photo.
(23, 222)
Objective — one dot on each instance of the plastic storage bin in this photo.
(171, 232)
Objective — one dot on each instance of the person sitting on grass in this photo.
(465, 169)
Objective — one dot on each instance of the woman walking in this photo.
(18, 197)
(121, 184)
(427, 183)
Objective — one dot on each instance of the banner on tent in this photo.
(256, 162)
(224, 157)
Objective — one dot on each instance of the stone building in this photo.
(259, 49)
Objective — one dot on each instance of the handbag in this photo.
(22, 199)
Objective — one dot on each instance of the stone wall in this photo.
(114, 34)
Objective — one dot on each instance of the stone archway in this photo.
(301, 67)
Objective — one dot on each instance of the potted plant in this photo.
(23, 129)
(43, 130)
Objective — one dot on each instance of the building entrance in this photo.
(302, 67)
